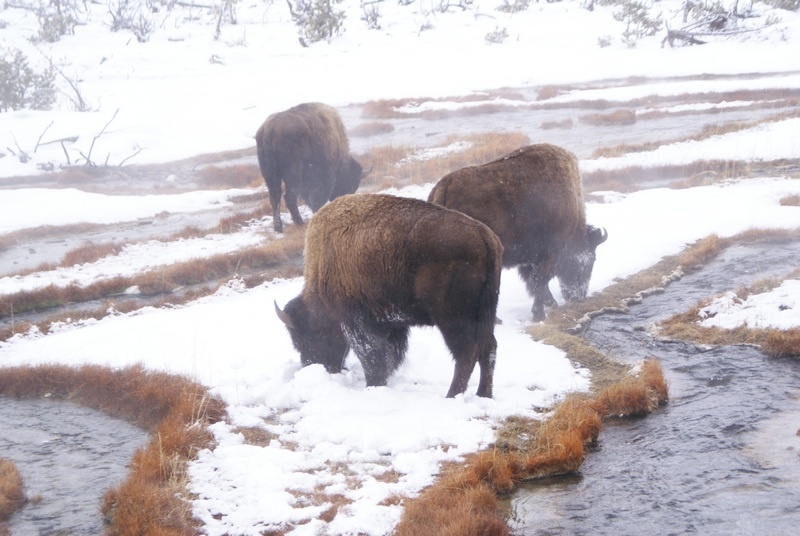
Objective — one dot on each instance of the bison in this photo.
(376, 265)
(532, 199)
(306, 149)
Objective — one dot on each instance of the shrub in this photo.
(57, 19)
(127, 15)
(788, 5)
(513, 6)
(498, 35)
(317, 19)
(371, 14)
(21, 86)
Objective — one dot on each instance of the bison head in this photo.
(575, 266)
(348, 179)
(318, 338)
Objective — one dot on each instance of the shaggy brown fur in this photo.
(306, 149)
(378, 264)
(532, 199)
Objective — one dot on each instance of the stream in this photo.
(68, 455)
(723, 457)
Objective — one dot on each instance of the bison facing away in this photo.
(306, 149)
(377, 265)
(532, 199)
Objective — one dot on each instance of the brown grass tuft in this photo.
(550, 125)
(702, 251)
(791, 201)
(237, 176)
(12, 494)
(617, 117)
(371, 128)
(782, 343)
(453, 511)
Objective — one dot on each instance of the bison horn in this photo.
(286, 319)
(365, 174)
(597, 235)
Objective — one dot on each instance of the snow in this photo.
(777, 309)
(332, 433)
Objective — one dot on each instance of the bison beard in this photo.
(532, 198)
(377, 265)
(306, 149)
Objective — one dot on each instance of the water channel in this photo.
(723, 457)
(68, 455)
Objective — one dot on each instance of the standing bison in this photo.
(378, 264)
(532, 199)
(305, 148)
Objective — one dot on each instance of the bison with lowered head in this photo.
(306, 149)
(375, 265)
(532, 199)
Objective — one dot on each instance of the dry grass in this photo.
(791, 201)
(699, 173)
(388, 108)
(773, 342)
(175, 410)
(12, 493)
(563, 123)
(705, 132)
(237, 176)
(371, 128)
(617, 117)
(396, 167)
(272, 254)
(463, 501)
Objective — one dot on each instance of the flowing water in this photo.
(68, 455)
(723, 457)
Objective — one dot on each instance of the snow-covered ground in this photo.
(174, 103)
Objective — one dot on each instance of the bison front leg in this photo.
(380, 348)
(538, 287)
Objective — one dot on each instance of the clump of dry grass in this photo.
(371, 128)
(236, 176)
(12, 492)
(617, 117)
(175, 410)
(563, 123)
(791, 201)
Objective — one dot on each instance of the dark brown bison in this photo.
(532, 199)
(375, 265)
(306, 149)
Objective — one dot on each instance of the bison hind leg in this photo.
(380, 347)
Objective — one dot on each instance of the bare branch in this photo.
(138, 150)
(88, 157)
(39, 141)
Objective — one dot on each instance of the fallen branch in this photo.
(680, 35)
